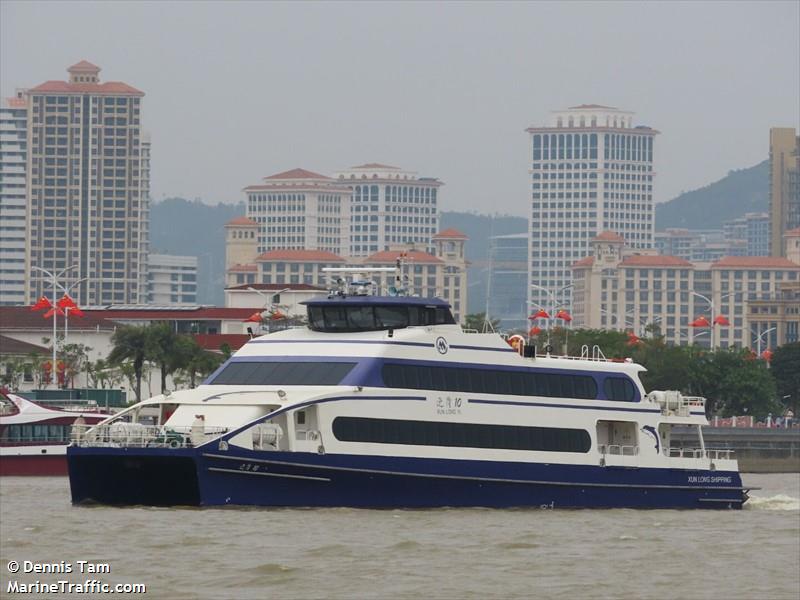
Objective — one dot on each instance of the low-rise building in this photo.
(616, 288)
(442, 274)
(171, 279)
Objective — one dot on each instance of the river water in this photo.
(450, 553)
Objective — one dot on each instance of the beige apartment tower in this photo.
(784, 185)
(88, 189)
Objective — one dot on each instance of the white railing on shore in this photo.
(136, 435)
(713, 454)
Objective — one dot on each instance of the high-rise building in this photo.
(591, 170)
(508, 280)
(299, 210)
(390, 206)
(88, 193)
(171, 279)
(13, 215)
(753, 229)
(784, 185)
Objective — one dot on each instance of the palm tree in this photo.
(195, 360)
(131, 345)
(163, 349)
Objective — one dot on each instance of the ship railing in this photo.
(136, 435)
(710, 453)
(618, 450)
(676, 404)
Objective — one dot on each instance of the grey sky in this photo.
(237, 91)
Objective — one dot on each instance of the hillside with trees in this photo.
(739, 192)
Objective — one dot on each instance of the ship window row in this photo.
(460, 435)
(283, 373)
(486, 381)
(375, 318)
(36, 433)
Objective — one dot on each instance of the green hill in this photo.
(192, 228)
(740, 192)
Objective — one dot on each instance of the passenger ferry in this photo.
(384, 401)
(34, 438)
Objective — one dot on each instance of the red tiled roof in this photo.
(109, 87)
(593, 106)
(213, 341)
(16, 102)
(297, 174)
(654, 260)
(22, 317)
(391, 256)
(300, 255)
(83, 65)
(190, 313)
(278, 287)
(793, 232)
(242, 221)
(11, 346)
(586, 261)
(293, 187)
(754, 262)
(375, 166)
(451, 233)
(243, 268)
(609, 236)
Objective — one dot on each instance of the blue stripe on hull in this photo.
(241, 477)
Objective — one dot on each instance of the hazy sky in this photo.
(240, 90)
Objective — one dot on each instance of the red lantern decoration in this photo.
(254, 318)
(721, 320)
(75, 311)
(542, 314)
(700, 322)
(767, 355)
(633, 339)
(41, 303)
(564, 316)
(66, 302)
(534, 331)
(53, 310)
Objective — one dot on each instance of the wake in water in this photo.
(779, 502)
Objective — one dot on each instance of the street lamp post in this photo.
(760, 336)
(554, 303)
(268, 300)
(55, 285)
(711, 307)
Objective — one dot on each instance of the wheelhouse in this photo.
(370, 313)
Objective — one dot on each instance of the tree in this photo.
(196, 360)
(785, 369)
(733, 383)
(478, 322)
(162, 348)
(130, 348)
(74, 357)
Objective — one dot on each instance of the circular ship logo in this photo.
(441, 345)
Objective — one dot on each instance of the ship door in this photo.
(618, 441)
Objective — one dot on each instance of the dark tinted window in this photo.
(461, 435)
(283, 373)
(487, 381)
(620, 389)
(374, 318)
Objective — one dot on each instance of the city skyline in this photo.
(342, 106)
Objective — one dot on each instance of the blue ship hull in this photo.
(205, 477)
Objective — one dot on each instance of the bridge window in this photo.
(341, 318)
(620, 389)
